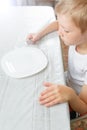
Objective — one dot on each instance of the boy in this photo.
(72, 28)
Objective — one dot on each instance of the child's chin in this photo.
(67, 44)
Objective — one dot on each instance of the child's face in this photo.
(69, 33)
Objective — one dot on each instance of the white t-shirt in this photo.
(77, 69)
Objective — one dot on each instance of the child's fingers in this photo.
(46, 91)
(47, 100)
(47, 84)
(42, 97)
(52, 103)
(50, 88)
(30, 36)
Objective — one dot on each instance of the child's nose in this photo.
(60, 33)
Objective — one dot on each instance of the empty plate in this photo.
(22, 62)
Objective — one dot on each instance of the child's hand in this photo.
(55, 94)
(33, 37)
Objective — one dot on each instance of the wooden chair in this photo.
(79, 123)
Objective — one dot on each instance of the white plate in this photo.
(22, 62)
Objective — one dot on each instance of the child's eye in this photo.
(66, 31)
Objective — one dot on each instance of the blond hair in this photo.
(77, 9)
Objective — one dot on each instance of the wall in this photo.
(35, 2)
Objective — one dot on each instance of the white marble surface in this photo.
(19, 106)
